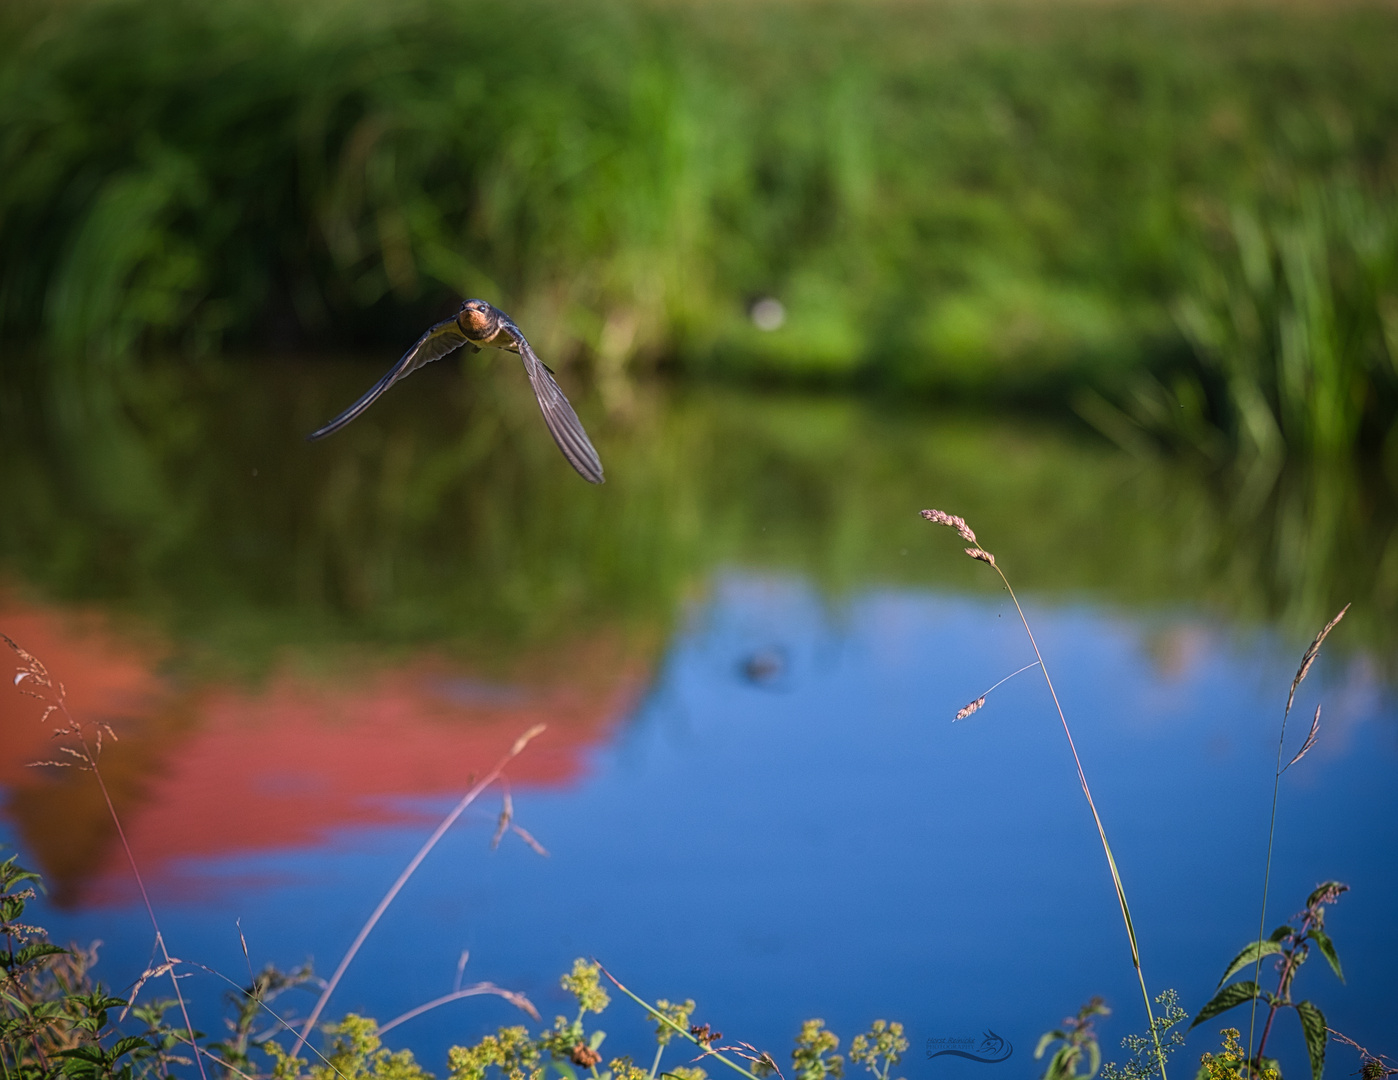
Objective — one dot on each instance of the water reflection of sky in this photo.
(789, 825)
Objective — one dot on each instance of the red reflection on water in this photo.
(222, 769)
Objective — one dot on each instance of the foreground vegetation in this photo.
(1188, 209)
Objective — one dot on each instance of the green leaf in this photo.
(1045, 1041)
(1250, 955)
(1225, 999)
(1061, 1064)
(1327, 950)
(1313, 1024)
(1282, 931)
(128, 1044)
(93, 1054)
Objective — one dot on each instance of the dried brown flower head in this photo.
(704, 1034)
(584, 1055)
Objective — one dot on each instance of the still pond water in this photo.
(748, 651)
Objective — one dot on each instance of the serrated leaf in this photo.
(128, 1044)
(30, 953)
(1252, 951)
(94, 1054)
(1313, 1024)
(1226, 999)
(1281, 932)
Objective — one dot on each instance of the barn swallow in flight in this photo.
(478, 324)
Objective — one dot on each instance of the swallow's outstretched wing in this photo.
(563, 422)
(443, 338)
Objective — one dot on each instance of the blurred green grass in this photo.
(982, 199)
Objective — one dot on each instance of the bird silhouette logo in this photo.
(992, 1050)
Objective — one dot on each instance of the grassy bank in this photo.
(986, 199)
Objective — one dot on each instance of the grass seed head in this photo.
(1309, 658)
(951, 521)
(967, 710)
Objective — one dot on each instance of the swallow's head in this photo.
(479, 320)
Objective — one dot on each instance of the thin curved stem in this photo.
(1010, 676)
(1101, 831)
(1266, 884)
(145, 896)
(397, 886)
(519, 1001)
(671, 1024)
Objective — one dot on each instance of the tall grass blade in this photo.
(1302, 670)
(977, 552)
(408, 871)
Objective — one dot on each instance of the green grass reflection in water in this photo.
(185, 494)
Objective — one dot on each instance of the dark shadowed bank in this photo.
(1185, 210)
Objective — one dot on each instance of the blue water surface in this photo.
(790, 825)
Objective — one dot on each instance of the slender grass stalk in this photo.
(1307, 659)
(261, 1004)
(670, 1023)
(981, 555)
(975, 706)
(169, 961)
(518, 1000)
(394, 889)
(1101, 831)
(56, 700)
